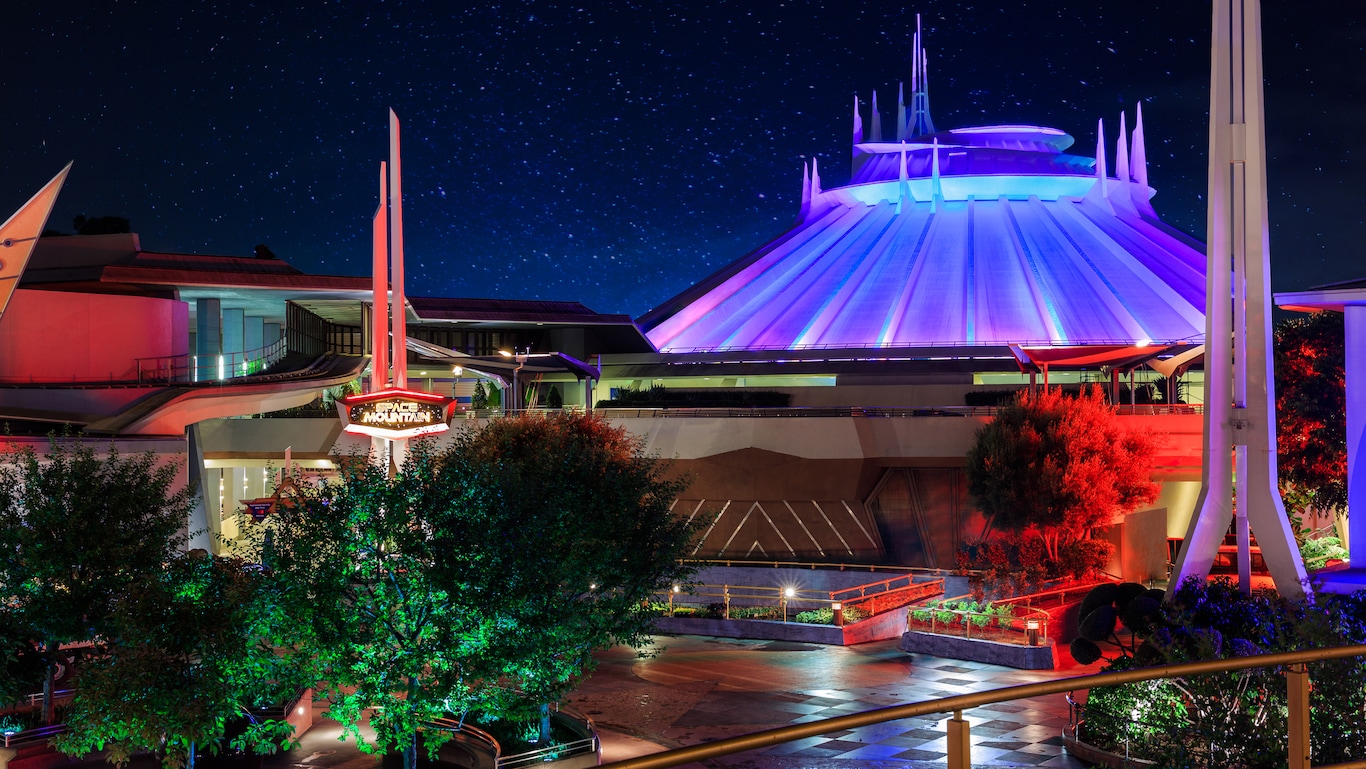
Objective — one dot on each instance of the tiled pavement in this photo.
(703, 689)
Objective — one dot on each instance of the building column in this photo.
(233, 325)
(253, 333)
(208, 338)
(1354, 367)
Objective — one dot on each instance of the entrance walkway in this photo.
(702, 689)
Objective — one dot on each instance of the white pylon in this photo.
(1240, 395)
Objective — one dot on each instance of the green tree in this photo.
(478, 578)
(567, 522)
(1058, 465)
(81, 528)
(188, 659)
(351, 568)
(1311, 407)
(480, 399)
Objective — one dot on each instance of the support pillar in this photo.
(959, 744)
(1297, 698)
(1240, 392)
(208, 338)
(234, 323)
(1354, 366)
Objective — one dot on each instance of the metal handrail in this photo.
(1045, 618)
(559, 749)
(814, 565)
(958, 755)
(41, 734)
(783, 596)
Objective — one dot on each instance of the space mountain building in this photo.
(953, 262)
(968, 237)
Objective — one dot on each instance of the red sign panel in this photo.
(395, 414)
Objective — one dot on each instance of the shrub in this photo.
(826, 616)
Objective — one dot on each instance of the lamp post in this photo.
(520, 356)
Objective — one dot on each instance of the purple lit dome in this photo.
(969, 237)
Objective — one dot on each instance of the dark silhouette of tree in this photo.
(101, 225)
(1311, 410)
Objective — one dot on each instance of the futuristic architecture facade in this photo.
(976, 236)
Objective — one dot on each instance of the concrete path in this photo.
(700, 689)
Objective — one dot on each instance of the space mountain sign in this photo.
(395, 414)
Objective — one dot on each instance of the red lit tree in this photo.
(1060, 466)
(1311, 408)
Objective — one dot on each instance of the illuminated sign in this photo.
(395, 414)
(258, 509)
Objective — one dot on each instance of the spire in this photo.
(1101, 170)
(921, 123)
(815, 181)
(858, 123)
(1122, 151)
(806, 191)
(904, 189)
(936, 186)
(875, 130)
(1140, 156)
(900, 112)
(1100, 191)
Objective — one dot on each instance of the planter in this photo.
(1098, 756)
(877, 628)
(1043, 657)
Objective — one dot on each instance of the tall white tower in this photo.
(1239, 469)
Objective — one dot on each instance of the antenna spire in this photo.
(875, 130)
(900, 112)
(921, 123)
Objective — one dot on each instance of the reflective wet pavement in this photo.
(702, 689)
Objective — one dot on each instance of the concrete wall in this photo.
(56, 336)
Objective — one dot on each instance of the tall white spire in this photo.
(1140, 155)
(1122, 151)
(900, 112)
(1101, 170)
(1238, 473)
(875, 129)
(806, 191)
(920, 122)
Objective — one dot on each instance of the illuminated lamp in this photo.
(1032, 632)
(395, 414)
(838, 608)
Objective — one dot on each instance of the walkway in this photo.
(703, 689)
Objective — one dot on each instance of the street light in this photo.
(520, 356)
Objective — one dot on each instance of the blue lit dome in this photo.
(980, 236)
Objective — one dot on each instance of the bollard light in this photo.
(839, 613)
(1032, 632)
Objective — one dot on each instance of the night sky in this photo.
(615, 153)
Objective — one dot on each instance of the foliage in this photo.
(978, 615)
(1235, 718)
(566, 522)
(826, 616)
(1318, 552)
(1107, 609)
(554, 399)
(480, 398)
(1311, 404)
(80, 529)
(187, 658)
(1011, 564)
(480, 578)
(1058, 466)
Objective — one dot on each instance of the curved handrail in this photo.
(958, 703)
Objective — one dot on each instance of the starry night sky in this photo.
(616, 152)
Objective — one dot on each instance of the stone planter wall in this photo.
(887, 625)
(1042, 657)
